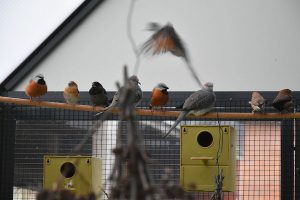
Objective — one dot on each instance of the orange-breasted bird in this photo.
(37, 87)
(71, 93)
(165, 39)
(283, 102)
(159, 96)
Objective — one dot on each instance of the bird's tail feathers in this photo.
(103, 111)
(98, 114)
(193, 72)
(179, 106)
(178, 120)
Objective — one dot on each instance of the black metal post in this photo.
(287, 159)
(297, 160)
(7, 137)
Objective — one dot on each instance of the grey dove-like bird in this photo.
(98, 95)
(283, 102)
(257, 102)
(198, 103)
(134, 82)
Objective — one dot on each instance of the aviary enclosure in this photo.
(125, 155)
(267, 153)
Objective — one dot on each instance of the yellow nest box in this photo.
(81, 174)
(198, 152)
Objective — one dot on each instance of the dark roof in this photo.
(48, 45)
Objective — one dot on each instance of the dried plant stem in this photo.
(134, 184)
(130, 37)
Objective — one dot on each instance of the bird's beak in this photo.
(139, 83)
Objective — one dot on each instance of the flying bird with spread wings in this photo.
(165, 39)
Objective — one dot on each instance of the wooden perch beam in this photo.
(147, 112)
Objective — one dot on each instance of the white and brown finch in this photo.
(257, 102)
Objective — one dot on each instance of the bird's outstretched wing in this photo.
(165, 40)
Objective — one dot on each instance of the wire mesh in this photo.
(44, 131)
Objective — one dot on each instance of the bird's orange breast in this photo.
(164, 44)
(158, 98)
(71, 91)
(34, 89)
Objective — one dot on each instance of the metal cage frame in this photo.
(290, 149)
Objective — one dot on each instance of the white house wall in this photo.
(239, 45)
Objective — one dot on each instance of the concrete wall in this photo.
(239, 45)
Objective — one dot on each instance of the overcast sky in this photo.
(25, 24)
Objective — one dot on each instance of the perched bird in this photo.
(165, 39)
(71, 93)
(257, 102)
(284, 101)
(138, 94)
(198, 103)
(37, 87)
(98, 95)
(159, 96)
